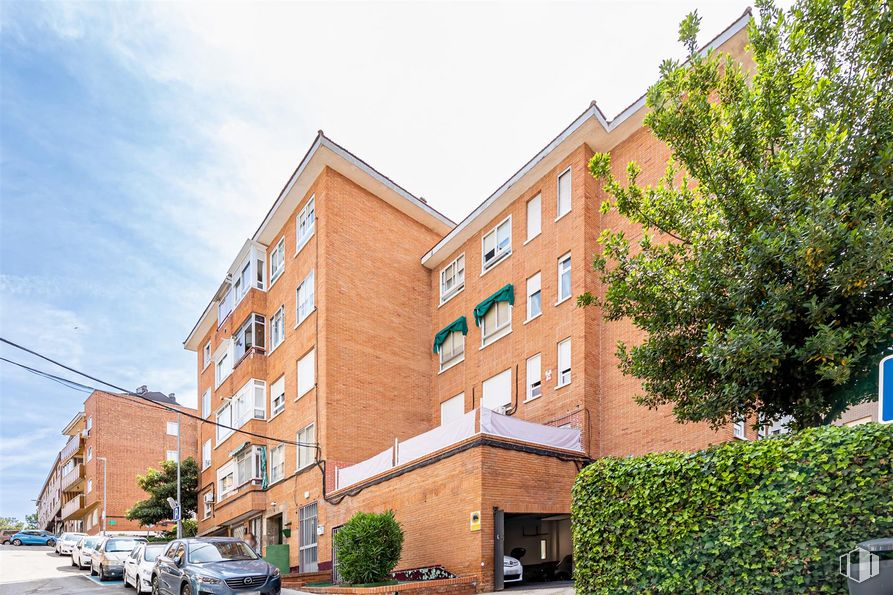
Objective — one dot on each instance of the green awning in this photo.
(240, 448)
(457, 325)
(506, 294)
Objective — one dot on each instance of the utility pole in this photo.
(105, 483)
(179, 503)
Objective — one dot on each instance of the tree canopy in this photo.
(764, 276)
(161, 485)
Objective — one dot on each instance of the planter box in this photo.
(451, 586)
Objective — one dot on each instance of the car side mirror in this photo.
(178, 560)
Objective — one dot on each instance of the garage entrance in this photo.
(542, 543)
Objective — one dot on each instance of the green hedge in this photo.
(770, 516)
(368, 546)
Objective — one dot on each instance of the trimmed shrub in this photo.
(368, 546)
(771, 516)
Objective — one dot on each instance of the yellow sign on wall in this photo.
(475, 521)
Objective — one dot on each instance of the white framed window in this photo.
(534, 377)
(277, 261)
(277, 463)
(89, 453)
(738, 430)
(206, 454)
(243, 281)
(564, 193)
(89, 423)
(564, 278)
(452, 351)
(224, 418)
(172, 456)
(306, 372)
(208, 504)
(305, 223)
(223, 368)
(248, 466)
(226, 479)
(206, 355)
(452, 409)
(251, 335)
(249, 402)
(497, 323)
(89, 485)
(306, 438)
(206, 403)
(564, 362)
(223, 362)
(305, 298)
(173, 428)
(225, 307)
(496, 244)
(534, 296)
(534, 216)
(452, 278)
(95, 517)
(277, 396)
(277, 328)
(497, 391)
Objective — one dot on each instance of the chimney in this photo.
(141, 390)
(173, 398)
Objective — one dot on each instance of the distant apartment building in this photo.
(392, 359)
(112, 439)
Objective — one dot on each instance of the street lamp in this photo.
(105, 464)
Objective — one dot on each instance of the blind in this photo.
(497, 391)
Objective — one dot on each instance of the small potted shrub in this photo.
(368, 546)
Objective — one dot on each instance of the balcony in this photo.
(73, 509)
(74, 446)
(73, 480)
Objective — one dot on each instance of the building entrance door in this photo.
(308, 548)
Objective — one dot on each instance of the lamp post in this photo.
(179, 503)
(105, 464)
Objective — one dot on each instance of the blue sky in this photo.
(140, 144)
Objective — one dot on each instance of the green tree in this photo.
(8, 522)
(764, 276)
(368, 546)
(31, 520)
(161, 485)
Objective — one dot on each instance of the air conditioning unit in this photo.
(503, 409)
(209, 497)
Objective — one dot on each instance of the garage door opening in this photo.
(542, 544)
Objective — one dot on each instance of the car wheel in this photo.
(92, 570)
(16, 542)
(102, 575)
(51, 543)
(156, 586)
(187, 590)
(72, 561)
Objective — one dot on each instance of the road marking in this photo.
(107, 583)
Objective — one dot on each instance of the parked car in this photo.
(33, 537)
(219, 565)
(66, 543)
(512, 571)
(107, 560)
(80, 554)
(139, 564)
(6, 535)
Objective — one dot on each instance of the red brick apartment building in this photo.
(443, 369)
(114, 438)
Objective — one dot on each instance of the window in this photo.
(277, 328)
(172, 428)
(534, 297)
(171, 455)
(206, 454)
(534, 216)
(277, 261)
(497, 391)
(206, 403)
(307, 557)
(738, 430)
(564, 193)
(208, 499)
(452, 278)
(225, 307)
(89, 485)
(224, 417)
(534, 377)
(497, 322)
(305, 298)
(243, 282)
(89, 453)
(250, 336)
(277, 463)
(564, 362)
(307, 451)
(497, 244)
(248, 466)
(95, 518)
(89, 423)
(306, 372)
(452, 351)
(277, 396)
(206, 355)
(564, 278)
(224, 363)
(226, 479)
(452, 409)
(260, 274)
(304, 224)
(249, 402)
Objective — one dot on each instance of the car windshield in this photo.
(121, 545)
(220, 551)
(92, 541)
(152, 552)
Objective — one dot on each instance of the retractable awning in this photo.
(458, 325)
(506, 294)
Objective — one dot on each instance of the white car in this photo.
(512, 571)
(138, 566)
(80, 554)
(66, 543)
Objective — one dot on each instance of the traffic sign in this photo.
(176, 513)
(885, 391)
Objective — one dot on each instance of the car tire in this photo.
(72, 561)
(51, 543)
(17, 542)
(92, 570)
(102, 575)
(186, 590)
(156, 587)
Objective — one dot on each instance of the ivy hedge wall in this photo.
(771, 516)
